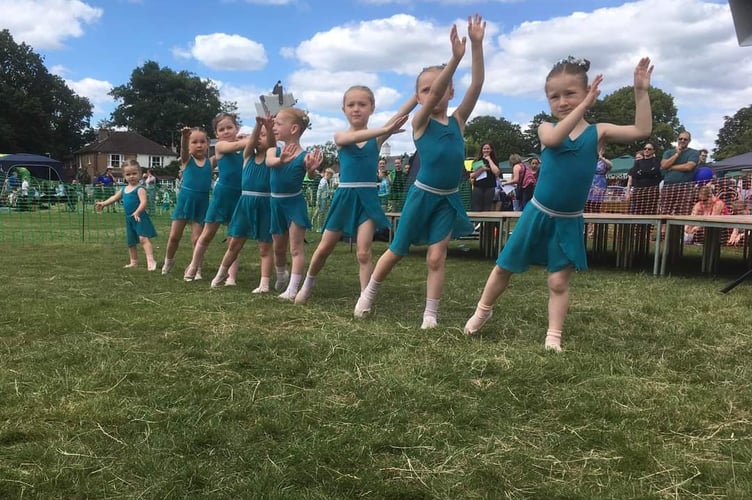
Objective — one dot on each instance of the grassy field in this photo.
(126, 384)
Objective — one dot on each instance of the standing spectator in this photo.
(150, 182)
(679, 166)
(643, 182)
(384, 186)
(323, 198)
(524, 181)
(399, 185)
(598, 187)
(484, 179)
(703, 158)
(106, 187)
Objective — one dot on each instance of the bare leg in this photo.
(133, 257)
(151, 264)
(200, 246)
(435, 260)
(384, 266)
(496, 284)
(324, 249)
(279, 242)
(297, 255)
(364, 253)
(267, 266)
(173, 241)
(558, 305)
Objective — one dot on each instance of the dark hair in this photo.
(571, 66)
(493, 152)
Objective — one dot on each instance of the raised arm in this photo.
(393, 126)
(643, 124)
(185, 138)
(225, 147)
(476, 28)
(431, 96)
(551, 136)
(250, 146)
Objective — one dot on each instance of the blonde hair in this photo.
(361, 88)
(438, 67)
(514, 159)
(299, 116)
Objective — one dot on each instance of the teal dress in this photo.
(252, 216)
(227, 189)
(193, 198)
(356, 198)
(550, 230)
(288, 204)
(133, 230)
(433, 208)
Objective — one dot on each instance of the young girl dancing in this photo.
(355, 209)
(550, 229)
(252, 215)
(289, 219)
(193, 198)
(433, 211)
(226, 193)
(138, 225)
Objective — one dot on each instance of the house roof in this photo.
(126, 142)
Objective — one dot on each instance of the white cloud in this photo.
(45, 24)
(225, 52)
(97, 91)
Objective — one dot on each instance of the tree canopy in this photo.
(506, 137)
(38, 112)
(157, 102)
(735, 137)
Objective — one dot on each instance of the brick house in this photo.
(112, 148)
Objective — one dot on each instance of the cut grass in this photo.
(126, 384)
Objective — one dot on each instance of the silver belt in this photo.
(262, 194)
(285, 195)
(440, 192)
(555, 213)
(358, 184)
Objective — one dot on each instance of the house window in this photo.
(115, 160)
(155, 162)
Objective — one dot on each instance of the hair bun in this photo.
(576, 61)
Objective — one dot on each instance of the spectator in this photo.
(679, 166)
(384, 185)
(323, 198)
(737, 234)
(707, 204)
(643, 182)
(598, 187)
(399, 185)
(484, 175)
(105, 184)
(523, 180)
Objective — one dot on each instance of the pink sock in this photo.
(553, 340)
(482, 314)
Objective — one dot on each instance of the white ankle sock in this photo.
(431, 314)
(553, 340)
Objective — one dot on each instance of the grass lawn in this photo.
(127, 384)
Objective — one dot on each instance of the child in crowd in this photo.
(138, 225)
(252, 215)
(193, 198)
(289, 219)
(356, 209)
(433, 211)
(550, 229)
(228, 154)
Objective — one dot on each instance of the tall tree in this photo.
(531, 132)
(619, 107)
(735, 137)
(157, 102)
(38, 112)
(506, 137)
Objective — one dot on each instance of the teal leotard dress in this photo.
(433, 208)
(193, 198)
(133, 229)
(550, 230)
(288, 204)
(252, 216)
(227, 189)
(356, 198)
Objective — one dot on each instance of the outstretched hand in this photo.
(313, 159)
(642, 74)
(476, 28)
(394, 126)
(458, 44)
(593, 91)
(288, 153)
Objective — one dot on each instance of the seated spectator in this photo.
(737, 234)
(707, 204)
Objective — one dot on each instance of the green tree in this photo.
(329, 150)
(619, 108)
(157, 102)
(735, 137)
(506, 137)
(531, 132)
(38, 112)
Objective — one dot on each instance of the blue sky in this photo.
(320, 48)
